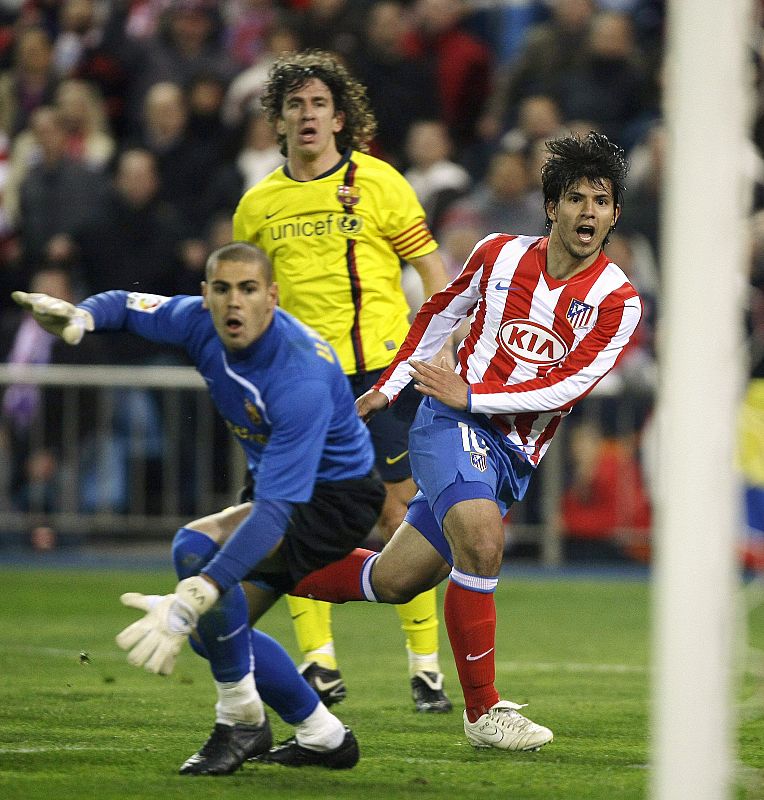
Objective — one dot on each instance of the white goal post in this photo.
(706, 106)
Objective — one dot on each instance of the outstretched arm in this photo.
(57, 316)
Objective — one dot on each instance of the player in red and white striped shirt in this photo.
(549, 317)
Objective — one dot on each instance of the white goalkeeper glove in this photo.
(155, 640)
(57, 316)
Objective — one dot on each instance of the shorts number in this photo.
(470, 441)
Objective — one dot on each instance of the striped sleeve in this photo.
(572, 379)
(415, 241)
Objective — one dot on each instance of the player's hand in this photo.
(154, 641)
(369, 403)
(441, 382)
(57, 316)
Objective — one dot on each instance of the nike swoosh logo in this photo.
(420, 621)
(273, 213)
(502, 288)
(325, 686)
(228, 636)
(396, 459)
(491, 731)
(299, 614)
(470, 657)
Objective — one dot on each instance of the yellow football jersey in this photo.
(336, 243)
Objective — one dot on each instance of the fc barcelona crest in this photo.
(252, 412)
(348, 195)
(478, 461)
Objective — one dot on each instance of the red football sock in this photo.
(337, 582)
(471, 624)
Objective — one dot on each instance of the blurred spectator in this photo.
(257, 157)
(85, 50)
(549, 51)
(78, 30)
(401, 87)
(29, 83)
(538, 119)
(132, 241)
(750, 430)
(244, 91)
(436, 179)
(605, 510)
(205, 96)
(87, 139)
(334, 25)
(609, 84)
(463, 65)
(750, 446)
(84, 116)
(503, 202)
(188, 42)
(29, 416)
(645, 188)
(248, 24)
(185, 161)
(58, 194)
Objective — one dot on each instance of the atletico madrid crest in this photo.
(348, 195)
(579, 314)
(479, 461)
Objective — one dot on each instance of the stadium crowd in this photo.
(129, 130)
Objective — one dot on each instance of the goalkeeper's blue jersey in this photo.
(285, 397)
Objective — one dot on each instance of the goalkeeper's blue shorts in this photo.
(457, 456)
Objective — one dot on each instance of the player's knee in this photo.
(191, 550)
(394, 588)
(479, 556)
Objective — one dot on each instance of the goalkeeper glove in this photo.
(57, 316)
(155, 640)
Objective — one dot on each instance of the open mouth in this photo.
(233, 325)
(308, 134)
(585, 233)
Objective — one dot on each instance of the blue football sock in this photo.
(224, 629)
(280, 684)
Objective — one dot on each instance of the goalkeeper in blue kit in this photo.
(282, 393)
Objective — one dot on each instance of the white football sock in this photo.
(321, 730)
(239, 701)
(419, 662)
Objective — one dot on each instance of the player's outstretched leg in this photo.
(320, 738)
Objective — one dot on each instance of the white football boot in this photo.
(506, 729)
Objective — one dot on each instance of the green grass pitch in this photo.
(77, 722)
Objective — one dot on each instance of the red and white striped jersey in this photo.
(535, 345)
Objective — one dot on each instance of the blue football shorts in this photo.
(458, 456)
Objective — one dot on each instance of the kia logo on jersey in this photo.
(531, 342)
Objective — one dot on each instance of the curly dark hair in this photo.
(573, 158)
(293, 70)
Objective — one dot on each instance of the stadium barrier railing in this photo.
(131, 453)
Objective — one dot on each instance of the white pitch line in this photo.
(54, 748)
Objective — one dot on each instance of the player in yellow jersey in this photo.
(337, 224)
